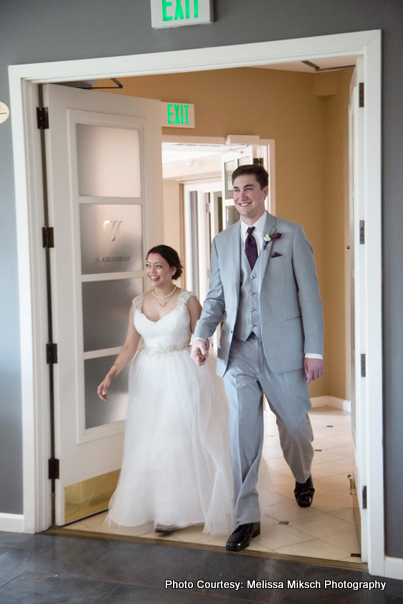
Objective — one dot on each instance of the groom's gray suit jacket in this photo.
(289, 304)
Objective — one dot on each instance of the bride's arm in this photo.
(194, 309)
(124, 357)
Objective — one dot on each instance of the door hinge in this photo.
(258, 161)
(42, 117)
(363, 366)
(361, 95)
(208, 207)
(48, 237)
(51, 354)
(364, 498)
(54, 469)
(362, 231)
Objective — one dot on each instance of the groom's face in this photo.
(249, 198)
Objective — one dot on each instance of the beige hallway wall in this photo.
(306, 115)
(336, 298)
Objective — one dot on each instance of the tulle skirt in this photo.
(176, 468)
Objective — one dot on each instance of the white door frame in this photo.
(23, 80)
(202, 187)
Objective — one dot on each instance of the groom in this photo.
(263, 283)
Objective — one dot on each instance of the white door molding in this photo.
(28, 199)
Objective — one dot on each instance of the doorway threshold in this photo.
(82, 534)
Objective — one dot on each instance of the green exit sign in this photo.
(177, 13)
(177, 115)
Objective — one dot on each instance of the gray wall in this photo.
(52, 30)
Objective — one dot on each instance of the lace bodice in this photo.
(168, 335)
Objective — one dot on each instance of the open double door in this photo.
(105, 202)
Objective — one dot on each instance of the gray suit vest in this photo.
(248, 318)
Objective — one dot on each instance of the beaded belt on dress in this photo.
(161, 350)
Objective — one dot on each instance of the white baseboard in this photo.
(12, 523)
(331, 401)
(393, 568)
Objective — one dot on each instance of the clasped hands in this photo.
(199, 351)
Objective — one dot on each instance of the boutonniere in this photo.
(272, 235)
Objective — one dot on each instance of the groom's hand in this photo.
(199, 352)
(313, 369)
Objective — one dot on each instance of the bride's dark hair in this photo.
(170, 255)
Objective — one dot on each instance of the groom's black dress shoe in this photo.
(304, 493)
(242, 535)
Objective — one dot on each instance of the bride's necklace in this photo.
(162, 297)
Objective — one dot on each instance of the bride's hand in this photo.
(103, 388)
(199, 352)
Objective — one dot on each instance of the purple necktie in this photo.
(251, 247)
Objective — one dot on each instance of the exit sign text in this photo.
(177, 13)
(178, 115)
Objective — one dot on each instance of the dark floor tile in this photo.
(8, 541)
(147, 564)
(52, 555)
(124, 594)
(204, 572)
(13, 539)
(131, 594)
(341, 585)
(9, 568)
(253, 578)
(394, 587)
(336, 596)
(30, 588)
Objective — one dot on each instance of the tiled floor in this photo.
(49, 569)
(326, 530)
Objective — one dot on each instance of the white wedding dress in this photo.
(176, 468)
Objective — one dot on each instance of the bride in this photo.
(175, 470)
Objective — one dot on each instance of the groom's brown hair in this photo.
(260, 173)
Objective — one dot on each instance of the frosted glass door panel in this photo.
(97, 412)
(111, 238)
(108, 161)
(106, 306)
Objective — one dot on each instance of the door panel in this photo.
(111, 238)
(105, 202)
(108, 161)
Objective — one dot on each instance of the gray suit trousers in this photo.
(247, 378)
